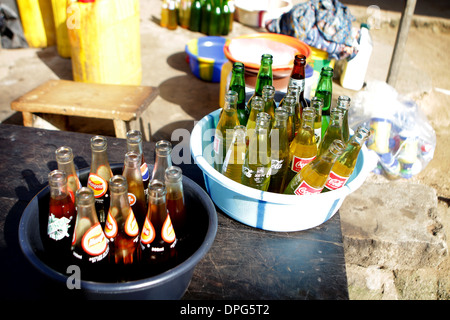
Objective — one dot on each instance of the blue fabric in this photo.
(323, 24)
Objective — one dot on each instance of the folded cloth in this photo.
(323, 24)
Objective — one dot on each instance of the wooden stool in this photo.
(125, 105)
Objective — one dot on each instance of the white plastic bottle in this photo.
(354, 70)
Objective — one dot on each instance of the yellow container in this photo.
(318, 60)
(62, 38)
(37, 22)
(105, 41)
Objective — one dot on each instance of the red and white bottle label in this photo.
(305, 188)
(335, 181)
(299, 163)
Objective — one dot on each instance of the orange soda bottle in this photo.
(311, 179)
(64, 158)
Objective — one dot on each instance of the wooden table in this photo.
(243, 262)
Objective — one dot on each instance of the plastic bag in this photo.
(402, 139)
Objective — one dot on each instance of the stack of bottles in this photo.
(211, 17)
(289, 146)
(117, 227)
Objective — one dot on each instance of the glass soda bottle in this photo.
(224, 130)
(325, 90)
(345, 163)
(257, 107)
(226, 16)
(279, 151)
(164, 14)
(134, 143)
(268, 95)
(99, 175)
(64, 159)
(184, 13)
(298, 78)
(121, 228)
(311, 179)
(257, 164)
(234, 159)
(175, 201)
(90, 247)
(334, 131)
(196, 16)
(317, 104)
(163, 160)
(343, 103)
(206, 16)
(215, 22)
(292, 90)
(264, 77)
(172, 21)
(303, 148)
(61, 215)
(158, 237)
(237, 84)
(289, 106)
(135, 186)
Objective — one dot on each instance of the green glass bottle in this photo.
(224, 130)
(264, 78)
(237, 84)
(216, 21)
(206, 16)
(334, 131)
(196, 16)
(257, 165)
(325, 91)
(226, 17)
(279, 151)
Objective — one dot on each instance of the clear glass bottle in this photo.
(135, 186)
(64, 159)
(334, 131)
(234, 159)
(134, 144)
(175, 202)
(317, 104)
(257, 164)
(164, 14)
(237, 84)
(224, 130)
(257, 107)
(61, 215)
(163, 160)
(289, 105)
(311, 179)
(325, 91)
(279, 151)
(303, 148)
(90, 247)
(343, 103)
(158, 238)
(99, 176)
(345, 163)
(268, 95)
(121, 227)
(172, 21)
(264, 77)
(184, 13)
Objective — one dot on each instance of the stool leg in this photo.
(120, 127)
(28, 119)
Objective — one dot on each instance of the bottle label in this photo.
(131, 198)
(335, 181)
(98, 185)
(94, 240)
(148, 232)
(144, 171)
(300, 83)
(167, 232)
(277, 164)
(258, 175)
(57, 229)
(217, 144)
(131, 226)
(305, 188)
(110, 226)
(299, 163)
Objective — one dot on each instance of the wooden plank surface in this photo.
(87, 100)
